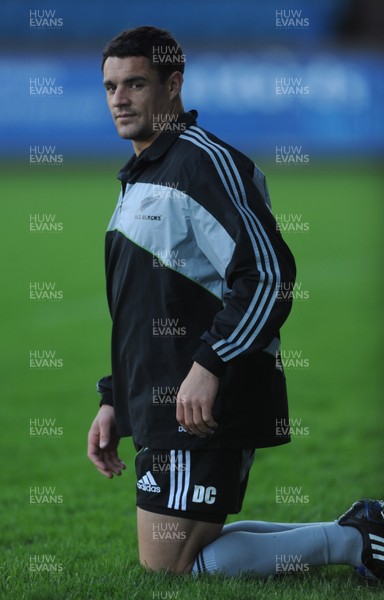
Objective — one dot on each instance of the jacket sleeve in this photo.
(258, 265)
(104, 387)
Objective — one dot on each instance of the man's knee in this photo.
(171, 544)
(165, 567)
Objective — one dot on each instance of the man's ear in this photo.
(175, 83)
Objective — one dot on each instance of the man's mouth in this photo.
(125, 115)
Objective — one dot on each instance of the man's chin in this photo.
(127, 130)
(126, 134)
(136, 136)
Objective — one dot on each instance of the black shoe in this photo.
(368, 517)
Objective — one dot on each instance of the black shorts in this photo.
(203, 485)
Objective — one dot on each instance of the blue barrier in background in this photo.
(202, 21)
(324, 103)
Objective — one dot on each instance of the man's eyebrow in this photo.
(127, 81)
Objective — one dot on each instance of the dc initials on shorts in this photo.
(202, 494)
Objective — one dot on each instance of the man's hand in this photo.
(195, 400)
(103, 442)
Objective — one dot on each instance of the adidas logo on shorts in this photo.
(148, 484)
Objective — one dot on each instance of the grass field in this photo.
(86, 538)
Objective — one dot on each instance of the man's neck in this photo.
(140, 145)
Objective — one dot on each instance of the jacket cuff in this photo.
(207, 358)
(104, 387)
(106, 399)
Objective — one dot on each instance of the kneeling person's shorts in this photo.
(203, 485)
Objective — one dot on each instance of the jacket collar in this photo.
(136, 164)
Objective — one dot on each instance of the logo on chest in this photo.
(144, 205)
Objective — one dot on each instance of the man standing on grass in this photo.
(194, 265)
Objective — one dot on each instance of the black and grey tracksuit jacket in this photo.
(194, 261)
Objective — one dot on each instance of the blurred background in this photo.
(241, 59)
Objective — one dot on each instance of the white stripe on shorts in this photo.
(179, 485)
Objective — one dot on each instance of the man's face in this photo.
(134, 96)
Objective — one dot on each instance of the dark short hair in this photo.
(158, 45)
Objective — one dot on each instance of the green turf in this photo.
(91, 535)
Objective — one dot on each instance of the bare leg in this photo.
(172, 543)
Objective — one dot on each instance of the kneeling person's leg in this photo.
(172, 543)
(183, 498)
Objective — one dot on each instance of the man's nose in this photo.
(121, 97)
